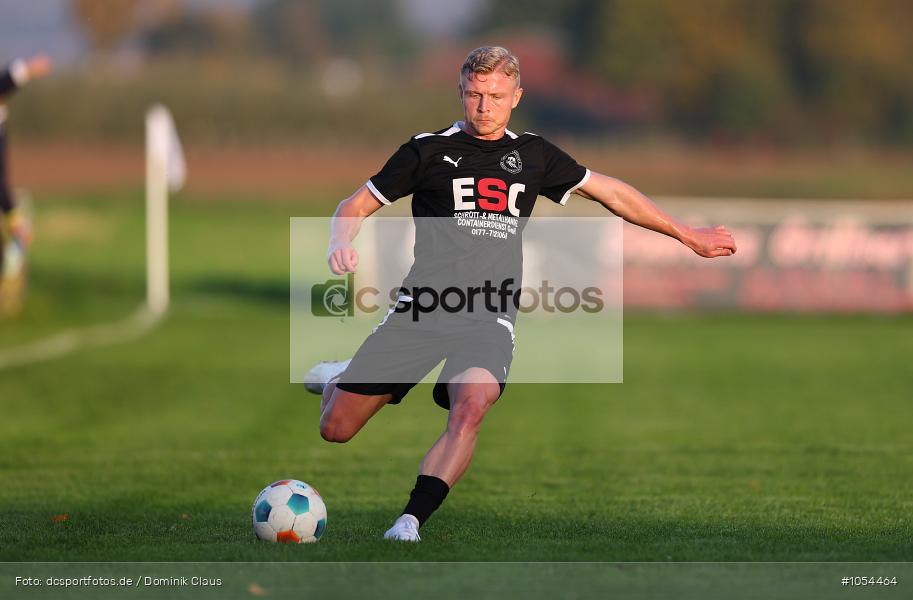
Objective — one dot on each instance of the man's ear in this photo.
(518, 93)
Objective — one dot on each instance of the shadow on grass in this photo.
(144, 530)
(272, 292)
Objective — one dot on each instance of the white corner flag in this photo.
(165, 171)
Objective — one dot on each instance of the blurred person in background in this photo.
(19, 73)
(15, 230)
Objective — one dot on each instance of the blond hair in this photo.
(489, 59)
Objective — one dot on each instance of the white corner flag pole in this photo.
(165, 171)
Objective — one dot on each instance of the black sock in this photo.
(427, 495)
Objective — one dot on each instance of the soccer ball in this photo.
(289, 511)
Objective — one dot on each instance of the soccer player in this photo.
(17, 75)
(473, 172)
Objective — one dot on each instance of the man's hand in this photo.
(710, 242)
(23, 233)
(19, 228)
(342, 258)
(38, 66)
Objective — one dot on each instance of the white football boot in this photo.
(405, 529)
(320, 374)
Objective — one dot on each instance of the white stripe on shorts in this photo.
(390, 312)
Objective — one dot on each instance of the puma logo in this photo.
(455, 163)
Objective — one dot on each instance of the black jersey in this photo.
(470, 200)
(8, 84)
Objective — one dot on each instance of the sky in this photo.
(28, 28)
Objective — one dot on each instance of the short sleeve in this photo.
(16, 76)
(562, 174)
(399, 177)
(7, 83)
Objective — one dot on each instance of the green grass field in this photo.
(756, 438)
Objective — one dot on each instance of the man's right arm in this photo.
(341, 255)
(397, 178)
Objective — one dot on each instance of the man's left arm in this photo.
(632, 206)
(21, 71)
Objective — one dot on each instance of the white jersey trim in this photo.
(377, 193)
(456, 127)
(19, 72)
(453, 129)
(567, 194)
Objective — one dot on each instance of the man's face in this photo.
(488, 100)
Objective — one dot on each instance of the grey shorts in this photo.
(400, 353)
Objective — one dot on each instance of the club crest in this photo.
(511, 162)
